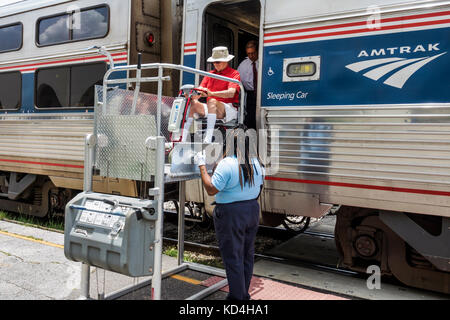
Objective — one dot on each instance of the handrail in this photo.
(160, 78)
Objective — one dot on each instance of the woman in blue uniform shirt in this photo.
(236, 184)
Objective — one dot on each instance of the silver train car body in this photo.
(48, 68)
(355, 100)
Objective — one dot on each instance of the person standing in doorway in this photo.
(248, 69)
(236, 183)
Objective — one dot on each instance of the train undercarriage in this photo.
(413, 248)
(31, 194)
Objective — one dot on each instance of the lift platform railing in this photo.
(160, 79)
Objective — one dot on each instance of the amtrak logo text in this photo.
(399, 50)
(403, 68)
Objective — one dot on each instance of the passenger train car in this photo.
(49, 64)
(355, 98)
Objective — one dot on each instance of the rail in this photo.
(160, 78)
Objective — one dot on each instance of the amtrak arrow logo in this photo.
(407, 67)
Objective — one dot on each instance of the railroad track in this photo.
(212, 250)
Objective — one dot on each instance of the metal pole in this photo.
(138, 83)
(85, 281)
(159, 184)
(158, 110)
(181, 201)
(87, 186)
(88, 161)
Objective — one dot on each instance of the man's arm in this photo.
(245, 70)
(229, 93)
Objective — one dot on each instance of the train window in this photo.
(83, 78)
(80, 25)
(11, 37)
(301, 69)
(52, 87)
(93, 24)
(68, 87)
(54, 30)
(10, 90)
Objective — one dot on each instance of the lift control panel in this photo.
(111, 232)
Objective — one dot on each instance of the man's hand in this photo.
(200, 158)
(203, 92)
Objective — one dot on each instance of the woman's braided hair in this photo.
(241, 142)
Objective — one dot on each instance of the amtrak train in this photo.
(354, 98)
(52, 54)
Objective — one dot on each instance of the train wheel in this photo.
(363, 240)
(207, 222)
(188, 214)
(296, 224)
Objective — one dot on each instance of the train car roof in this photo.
(27, 5)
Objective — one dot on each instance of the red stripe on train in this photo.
(361, 186)
(359, 23)
(106, 60)
(43, 163)
(62, 61)
(338, 33)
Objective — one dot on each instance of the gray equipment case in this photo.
(111, 232)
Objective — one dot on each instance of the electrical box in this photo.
(112, 232)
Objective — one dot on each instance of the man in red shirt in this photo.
(222, 96)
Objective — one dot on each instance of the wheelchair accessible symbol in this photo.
(270, 72)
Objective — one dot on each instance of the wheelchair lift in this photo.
(132, 144)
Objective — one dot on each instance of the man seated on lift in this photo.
(222, 96)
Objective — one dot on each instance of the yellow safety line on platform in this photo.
(186, 279)
(31, 239)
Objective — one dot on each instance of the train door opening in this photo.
(231, 24)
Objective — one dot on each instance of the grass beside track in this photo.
(54, 224)
(194, 257)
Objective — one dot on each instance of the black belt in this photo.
(235, 202)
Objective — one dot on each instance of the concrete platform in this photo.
(187, 283)
(267, 289)
(33, 267)
(322, 249)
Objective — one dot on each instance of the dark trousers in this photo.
(250, 110)
(236, 225)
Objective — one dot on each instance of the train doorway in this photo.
(231, 24)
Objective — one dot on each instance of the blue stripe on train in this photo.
(339, 85)
(189, 61)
